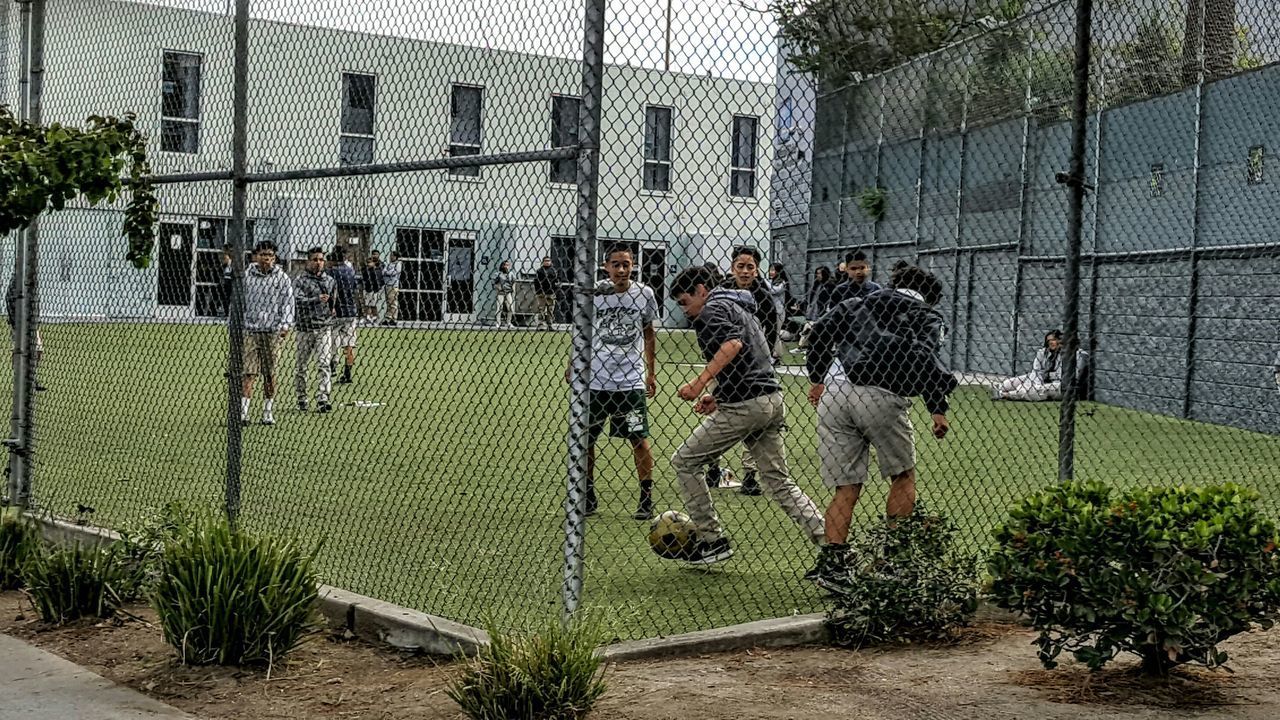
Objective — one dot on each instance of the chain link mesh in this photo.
(432, 462)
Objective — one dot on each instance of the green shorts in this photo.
(626, 410)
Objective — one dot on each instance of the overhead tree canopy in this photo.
(43, 168)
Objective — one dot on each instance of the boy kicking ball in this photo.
(746, 406)
(623, 349)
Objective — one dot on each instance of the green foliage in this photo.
(18, 539)
(554, 674)
(908, 582)
(42, 168)
(142, 544)
(841, 40)
(1163, 573)
(68, 583)
(873, 201)
(228, 597)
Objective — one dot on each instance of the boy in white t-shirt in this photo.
(623, 349)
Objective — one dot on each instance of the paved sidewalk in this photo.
(37, 685)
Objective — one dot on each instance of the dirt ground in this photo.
(991, 674)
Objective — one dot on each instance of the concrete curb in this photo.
(383, 623)
(777, 632)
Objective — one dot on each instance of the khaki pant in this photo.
(377, 300)
(315, 343)
(547, 309)
(758, 423)
(393, 305)
(506, 308)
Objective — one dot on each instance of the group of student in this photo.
(321, 304)
(870, 352)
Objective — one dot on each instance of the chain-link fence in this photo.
(427, 424)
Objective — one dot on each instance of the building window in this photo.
(564, 133)
(657, 149)
(466, 126)
(355, 139)
(1157, 180)
(1257, 159)
(742, 170)
(180, 103)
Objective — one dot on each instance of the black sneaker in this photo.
(302, 406)
(710, 552)
(323, 407)
(831, 572)
(346, 376)
(713, 476)
(749, 485)
(644, 511)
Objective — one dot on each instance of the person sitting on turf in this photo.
(1044, 382)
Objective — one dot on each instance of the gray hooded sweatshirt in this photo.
(268, 300)
(730, 315)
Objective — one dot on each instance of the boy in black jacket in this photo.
(745, 276)
(868, 356)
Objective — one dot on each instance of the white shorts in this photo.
(344, 332)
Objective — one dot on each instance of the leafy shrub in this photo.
(873, 201)
(228, 597)
(1163, 573)
(908, 582)
(68, 583)
(142, 545)
(18, 538)
(554, 674)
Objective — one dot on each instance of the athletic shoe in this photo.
(713, 476)
(323, 407)
(644, 511)
(268, 419)
(302, 406)
(710, 552)
(346, 376)
(831, 572)
(749, 484)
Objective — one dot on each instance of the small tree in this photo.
(42, 168)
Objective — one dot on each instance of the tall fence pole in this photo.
(239, 227)
(584, 275)
(15, 490)
(22, 444)
(1075, 231)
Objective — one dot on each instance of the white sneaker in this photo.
(268, 418)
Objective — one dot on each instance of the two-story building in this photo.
(685, 166)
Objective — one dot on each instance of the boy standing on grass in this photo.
(623, 350)
(345, 312)
(746, 406)
(887, 345)
(312, 292)
(391, 285)
(504, 286)
(268, 314)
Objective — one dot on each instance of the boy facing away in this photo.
(745, 406)
(623, 350)
(887, 347)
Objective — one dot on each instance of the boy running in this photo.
(312, 292)
(623, 348)
(746, 406)
(268, 314)
(887, 348)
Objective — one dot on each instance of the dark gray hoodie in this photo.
(730, 315)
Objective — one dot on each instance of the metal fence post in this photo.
(17, 454)
(584, 274)
(238, 228)
(22, 442)
(1075, 231)
(1193, 297)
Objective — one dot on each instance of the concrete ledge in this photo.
(778, 632)
(384, 623)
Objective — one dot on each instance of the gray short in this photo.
(344, 333)
(854, 418)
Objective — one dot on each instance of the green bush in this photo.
(1164, 573)
(228, 597)
(68, 583)
(18, 538)
(554, 674)
(907, 582)
(142, 545)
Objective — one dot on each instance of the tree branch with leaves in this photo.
(44, 168)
